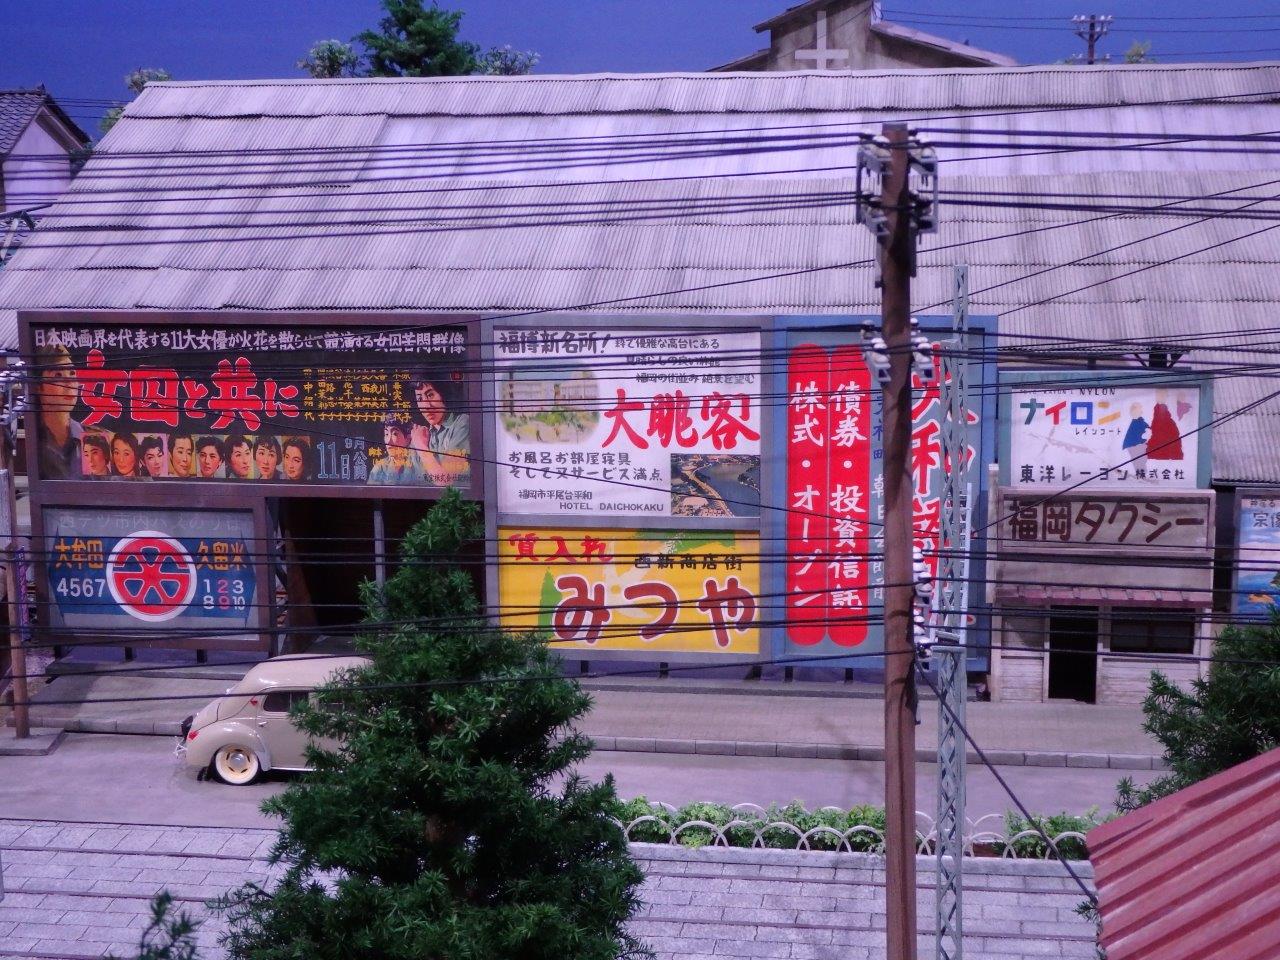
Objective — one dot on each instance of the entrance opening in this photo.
(1073, 664)
(327, 550)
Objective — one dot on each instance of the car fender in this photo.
(218, 734)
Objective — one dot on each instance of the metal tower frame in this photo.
(950, 611)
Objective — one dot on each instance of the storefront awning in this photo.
(1039, 596)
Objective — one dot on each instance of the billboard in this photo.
(1121, 434)
(659, 592)
(145, 568)
(631, 424)
(1081, 519)
(191, 403)
(1258, 562)
(835, 487)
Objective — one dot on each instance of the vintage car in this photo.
(241, 735)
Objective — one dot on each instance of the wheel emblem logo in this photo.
(151, 576)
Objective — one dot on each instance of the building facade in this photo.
(853, 35)
(644, 362)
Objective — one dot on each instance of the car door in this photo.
(285, 742)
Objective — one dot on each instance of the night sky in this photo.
(83, 48)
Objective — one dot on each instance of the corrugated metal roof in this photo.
(1195, 876)
(663, 193)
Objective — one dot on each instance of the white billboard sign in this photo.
(1122, 436)
(651, 423)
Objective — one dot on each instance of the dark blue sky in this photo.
(83, 48)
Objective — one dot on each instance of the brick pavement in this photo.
(77, 891)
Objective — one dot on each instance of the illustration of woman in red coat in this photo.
(1165, 442)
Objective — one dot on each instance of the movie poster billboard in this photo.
(616, 424)
(835, 487)
(660, 592)
(1120, 434)
(148, 568)
(313, 406)
(1258, 564)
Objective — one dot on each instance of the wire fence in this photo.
(839, 830)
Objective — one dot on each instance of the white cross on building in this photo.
(822, 55)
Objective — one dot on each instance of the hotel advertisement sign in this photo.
(628, 424)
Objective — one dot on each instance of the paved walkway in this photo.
(683, 716)
(80, 890)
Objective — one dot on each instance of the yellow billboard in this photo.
(669, 591)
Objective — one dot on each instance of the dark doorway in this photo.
(1073, 664)
(327, 551)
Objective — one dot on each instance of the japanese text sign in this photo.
(662, 592)
(835, 489)
(1082, 520)
(620, 423)
(1258, 562)
(1130, 436)
(156, 568)
(278, 404)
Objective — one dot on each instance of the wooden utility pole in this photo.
(896, 261)
(1091, 29)
(13, 586)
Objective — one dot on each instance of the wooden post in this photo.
(899, 597)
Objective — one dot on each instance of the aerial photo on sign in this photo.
(654, 423)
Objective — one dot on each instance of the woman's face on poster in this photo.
(153, 459)
(267, 460)
(294, 462)
(181, 456)
(210, 460)
(123, 458)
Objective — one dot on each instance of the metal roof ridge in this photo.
(771, 75)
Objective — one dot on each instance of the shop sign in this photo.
(662, 592)
(108, 568)
(1258, 577)
(835, 489)
(607, 424)
(1104, 521)
(1108, 436)
(237, 404)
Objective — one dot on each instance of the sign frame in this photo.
(1237, 507)
(1011, 380)
(982, 373)
(757, 526)
(256, 636)
(206, 493)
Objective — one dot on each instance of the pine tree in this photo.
(1230, 716)
(416, 41)
(449, 824)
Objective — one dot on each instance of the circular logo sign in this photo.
(151, 576)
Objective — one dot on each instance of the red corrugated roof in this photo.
(1195, 876)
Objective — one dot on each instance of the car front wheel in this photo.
(236, 765)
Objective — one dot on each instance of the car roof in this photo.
(301, 670)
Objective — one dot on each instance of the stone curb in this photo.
(842, 751)
(714, 748)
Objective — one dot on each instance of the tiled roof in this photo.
(17, 109)
(660, 193)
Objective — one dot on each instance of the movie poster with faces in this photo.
(253, 404)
